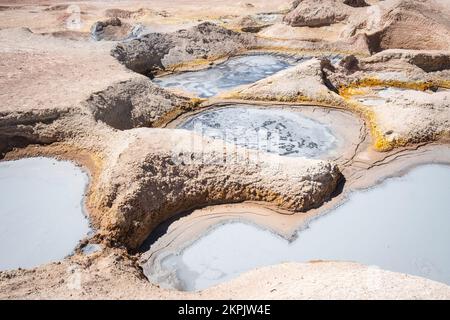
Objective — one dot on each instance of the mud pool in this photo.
(388, 92)
(42, 215)
(232, 73)
(400, 225)
(283, 132)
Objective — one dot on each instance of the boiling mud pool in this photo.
(232, 73)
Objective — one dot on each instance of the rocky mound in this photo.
(113, 275)
(339, 280)
(415, 69)
(356, 3)
(414, 103)
(246, 24)
(206, 41)
(428, 61)
(413, 24)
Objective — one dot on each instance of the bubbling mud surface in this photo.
(400, 225)
(232, 73)
(286, 133)
(42, 215)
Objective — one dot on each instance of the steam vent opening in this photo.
(400, 225)
(42, 216)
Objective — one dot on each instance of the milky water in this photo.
(232, 73)
(401, 225)
(41, 211)
(284, 132)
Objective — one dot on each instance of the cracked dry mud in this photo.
(68, 96)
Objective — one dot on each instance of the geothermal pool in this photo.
(273, 130)
(401, 225)
(232, 73)
(42, 215)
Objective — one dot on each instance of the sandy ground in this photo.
(41, 72)
(29, 13)
(363, 172)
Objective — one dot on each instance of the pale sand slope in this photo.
(113, 277)
(51, 16)
(55, 90)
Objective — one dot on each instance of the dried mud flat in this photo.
(74, 83)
